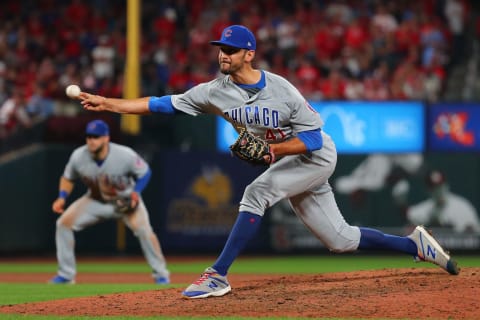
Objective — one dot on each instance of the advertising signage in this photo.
(454, 127)
(361, 127)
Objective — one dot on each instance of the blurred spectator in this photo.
(180, 79)
(70, 75)
(164, 25)
(13, 114)
(455, 12)
(333, 87)
(377, 84)
(222, 20)
(340, 10)
(199, 36)
(354, 89)
(407, 35)
(77, 14)
(350, 61)
(111, 87)
(328, 44)
(305, 45)
(151, 84)
(89, 81)
(356, 35)
(47, 75)
(433, 41)
(103, 56)
(160, 62)
(376, 89)
(384, 20)
(39, 107)
(287, 32)
(278, 65)
(384, 48)
(22, 52)
(434, 77)
(308, 77)
(98, 22)
(72, 48)
(407, 82)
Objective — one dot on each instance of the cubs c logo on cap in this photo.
(237, 36)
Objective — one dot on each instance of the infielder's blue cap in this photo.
(237, 36)
(97, 128)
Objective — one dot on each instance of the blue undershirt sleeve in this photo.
(161, 104)
(143, 181)
(312, 139)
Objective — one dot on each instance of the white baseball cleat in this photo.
(430, 250)
(210, 284)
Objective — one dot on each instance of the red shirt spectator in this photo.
(307, 72)
(199, 37)
(35, 27)
(375, 89)
(111, 88)
(407, 35)
(326, 42)
(377, 84)
(333, 88)
(22, 52)
(355, 35)
(278, 65)
(165, 25)
(77, 13)
(308, 77)
(220, 23)
(305, 45)
(98, 22)
(72, 47)
(180, 79)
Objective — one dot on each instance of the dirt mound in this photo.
(394, 293)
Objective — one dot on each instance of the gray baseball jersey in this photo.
(114, 177)
(276, 113)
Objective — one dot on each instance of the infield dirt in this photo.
(414, 293)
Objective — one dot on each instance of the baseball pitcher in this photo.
(279, 129)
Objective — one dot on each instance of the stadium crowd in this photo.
(343, 49)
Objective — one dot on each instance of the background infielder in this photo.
(115, 175)
(271, 108)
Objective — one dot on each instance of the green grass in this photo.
(278, 264)
(15, 293)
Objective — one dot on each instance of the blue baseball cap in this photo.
(237, 36)
(97, 128)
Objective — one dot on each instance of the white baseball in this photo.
(73, 91)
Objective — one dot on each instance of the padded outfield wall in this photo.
(193, 194)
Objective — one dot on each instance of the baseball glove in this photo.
(252, 149)
(127, 204)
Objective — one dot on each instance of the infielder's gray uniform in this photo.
(115, 177)
(276, 113)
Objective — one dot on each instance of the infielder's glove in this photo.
(127, 204)
(252, 149)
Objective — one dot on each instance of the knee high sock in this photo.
(375, 239)
(243, 230)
